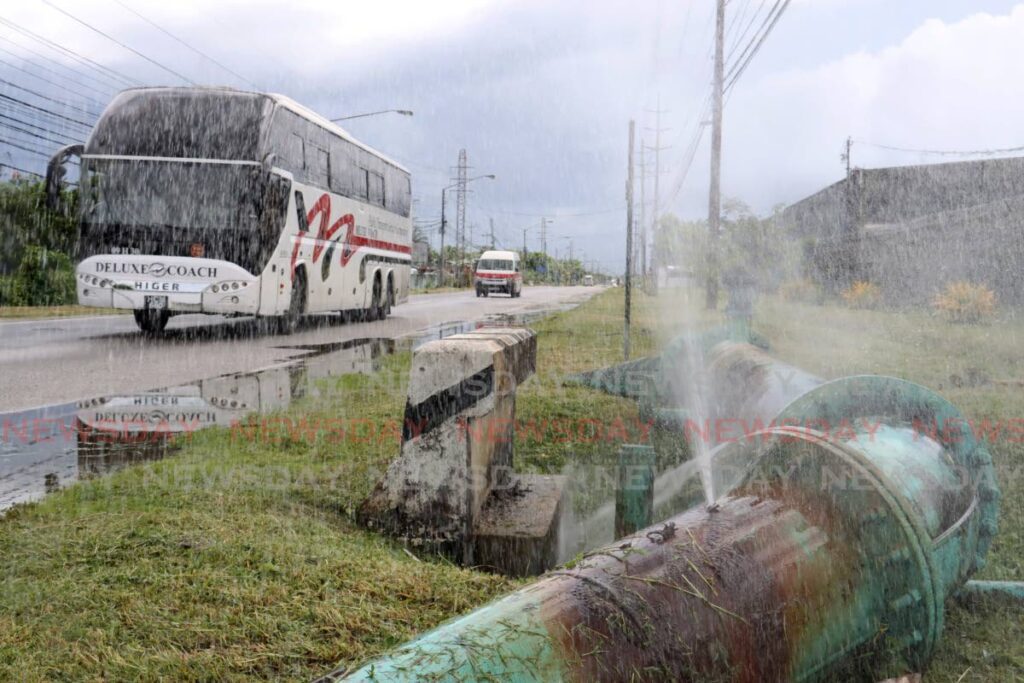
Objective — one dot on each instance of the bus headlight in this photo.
(231, 284)
(95, 281)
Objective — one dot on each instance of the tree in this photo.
(25, 221)
(43, 278)
(756, 246)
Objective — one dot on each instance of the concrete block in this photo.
(516, 532)
(457, 438)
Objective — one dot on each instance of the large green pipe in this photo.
(830, 559)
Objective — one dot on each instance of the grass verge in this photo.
(43, 312)
(237, 558)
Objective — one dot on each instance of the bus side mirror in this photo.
(56, 171)
(268, 163)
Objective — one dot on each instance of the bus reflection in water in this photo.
(121, 430)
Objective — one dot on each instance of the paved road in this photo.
(43, 362)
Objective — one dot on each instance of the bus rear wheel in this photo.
(151, 322)
(377, 310)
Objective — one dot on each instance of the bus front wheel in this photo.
(151, 322)
(289, 322)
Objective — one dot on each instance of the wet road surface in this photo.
(55, 361)
(112, 397)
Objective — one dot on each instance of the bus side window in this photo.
(300, 209)
(398, 191)
(323, 168)
(376, 181)
(297, 151)
(342, 165)
(363, 183)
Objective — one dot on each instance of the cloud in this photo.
(946, 86)
(540, 93)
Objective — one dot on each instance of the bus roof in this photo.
(282, 100)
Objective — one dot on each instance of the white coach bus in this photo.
(213, 200)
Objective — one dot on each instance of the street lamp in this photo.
(403, 112)
(489, 176)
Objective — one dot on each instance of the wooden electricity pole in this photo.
(629, 242)
(715, 193)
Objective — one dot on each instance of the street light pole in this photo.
(402, 112)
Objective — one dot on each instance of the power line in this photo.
(27, 149)
(730, 30)
(19, 170)
(691, 148)
(118, 42)
(555, 215)
(944, 152)
(764, 36)
(81, 59)
(27, 105)
(30, 133)
(47, 97)
(67, 138)
(190, 47)
(749, 46)
(44, 80)
(78, 74)
(746, 29)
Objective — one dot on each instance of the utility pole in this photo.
(715, 192)
(544, 244)
(440, 274)
(544, 236)
(492, 232)
(524, 245)
(643, 210)
(845, 156)
(629, 243)
(657, 149)
(460, 213)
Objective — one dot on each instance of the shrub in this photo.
(965, 302)
(803, 291)
(43, 278)
(862, 294)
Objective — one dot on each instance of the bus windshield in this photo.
(198, 124)
(168, 194)
(178, 208)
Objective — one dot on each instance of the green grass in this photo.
(55, 311)
(237, 557)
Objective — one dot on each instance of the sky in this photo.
(541, 93)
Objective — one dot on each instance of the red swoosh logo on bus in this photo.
(352, 241)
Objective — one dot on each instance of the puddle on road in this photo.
(43, 449)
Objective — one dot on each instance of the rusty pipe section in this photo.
(830, 558)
